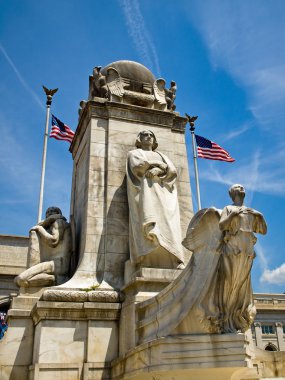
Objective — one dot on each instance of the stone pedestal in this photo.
(69, 334)
(16, 348)
(183, 357)
(141, 285)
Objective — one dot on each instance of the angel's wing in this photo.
(259, 225)
(114, 82)
(203, 231)
(159, 91)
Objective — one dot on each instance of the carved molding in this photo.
(104, 109)
(65, 295)
(164, 354)
(81, 296)
(103, 296)
(54, 310)
(278, 324)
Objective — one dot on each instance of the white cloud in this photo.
(261, 256)
(275, 276)
(21, 78)
(237, 132)
(246, 40)
(257, 172)
(140, 35)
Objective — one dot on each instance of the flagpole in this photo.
(191, 121)
(49, 94)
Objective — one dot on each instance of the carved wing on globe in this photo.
(159, 91)
(203, 238)
(114, 82)
(203, 233)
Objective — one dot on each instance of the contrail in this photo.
(140, 35)
(21, 79)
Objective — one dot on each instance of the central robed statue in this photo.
(155, 233)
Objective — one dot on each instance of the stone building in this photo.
(138, 304)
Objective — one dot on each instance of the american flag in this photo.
(60, 131)
(212, 151)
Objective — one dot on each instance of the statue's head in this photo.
(144, 136)
(236, 189)
(53, 211)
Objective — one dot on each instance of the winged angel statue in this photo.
(223, 246)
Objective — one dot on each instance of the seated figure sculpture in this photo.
(154, 218)
(49, 252)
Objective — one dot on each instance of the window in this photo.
(270, 347)
(267, 329)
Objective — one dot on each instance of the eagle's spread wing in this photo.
(114, 82)
(159, 91)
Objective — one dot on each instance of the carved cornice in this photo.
(278, 324)
(81, 296)
(102, 109)
(46, 310)
(65, 295)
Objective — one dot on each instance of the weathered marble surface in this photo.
(99, 206)
(131, 83)
(238, 224)
(49, 252)
(199, 300)
(187, 357)
(154, 217)
(13, 254)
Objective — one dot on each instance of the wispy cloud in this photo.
(256, 173)
(261, 256)
(237, 132)
(140, 35)
(20, 176)
(21, 78)
(275, 276)
(246, 40)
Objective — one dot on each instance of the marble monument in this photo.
(135, 286)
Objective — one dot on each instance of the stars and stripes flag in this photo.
(60, 131)
(211, 151)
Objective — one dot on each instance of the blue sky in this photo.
(228, 60)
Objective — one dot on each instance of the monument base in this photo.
(184, 357)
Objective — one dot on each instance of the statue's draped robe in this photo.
(154, 220)
(222, 243)
(237, 253)
(49, 253)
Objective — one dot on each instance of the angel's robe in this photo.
(223, 251)
(154, 221)
(237, 254)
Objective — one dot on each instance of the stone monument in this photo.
(157, 293)
(154, 221)
(49, 252)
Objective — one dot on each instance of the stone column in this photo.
(258, 335)
(99, 206)
(280, 336)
